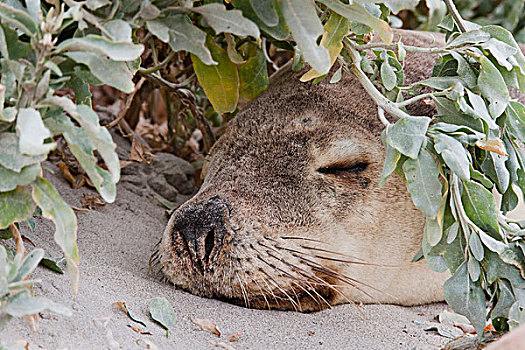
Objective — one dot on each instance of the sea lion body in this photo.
(290, 214)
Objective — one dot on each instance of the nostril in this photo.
(208, 244)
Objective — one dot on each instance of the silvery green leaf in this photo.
(407, 135)
(480, 109)
(43, 86)
(466, 297)
(10, 179)
(337, 76)
(465, 71)
(388, 76)
(500, 51)
(98, 45)
(398, 5)
(55, 208)
(359, 13)
(478, 176)
(491, 243)
(439, 83)
(475, 246)
(516, 119)
(471, 37)
(505, 301)
(227, 21)
(494, 167)
(181, 34)
(480, 206)
(505, 36)
(29, 264)
(279, 31)
(95, 4)
(109, 72)
(492, 87)
(120, 30)
(391, 159)
(161, 311)
(11, 158)
(15, 206)
(452, 232)
(32, 133)
(265, 10)
(18, 19)
(301, 18)
(148, 10)
(423, 184)
(433, 231)
(453, 154)
(21, 304)
(473, 269)
(509, 201)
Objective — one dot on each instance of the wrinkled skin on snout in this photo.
(290, 214)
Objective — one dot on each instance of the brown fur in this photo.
(264, 183)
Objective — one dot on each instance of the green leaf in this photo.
(335, 30)
(407, 135)
(475, 246)
(253, 76)
(491, 243)
(109, 72)
(227, 21)
(505, 36)
(471, 37)
(279, 31)
(516, 119)
(452, 232)
(181, 34)
(9, 179)
(95, 44)
(265, 10)
(466, 297)
(161, 311)
(433, 231)
(15, 206)
(465, 71)
(22, 304)
(479, 109)
(306, 27)
(29, 264)
(220, 82)
(492, 87)
(423, 184)
(32, 133)
(398, 5)
(56, 209)
(391, 159)
(11, 157)
(473, 269)
(120, 30)
(388, 76)
(453, 154)
(494, 167)
(500, 51)
(480, 206)
(357, 13)
(18, 19)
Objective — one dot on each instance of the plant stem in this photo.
(155, 68)
(394, 46)
(382, 102)
(456, 16)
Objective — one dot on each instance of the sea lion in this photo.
(290, 214)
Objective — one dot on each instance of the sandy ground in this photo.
(115, 243)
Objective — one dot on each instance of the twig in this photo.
(382, 117)
(382, 102)
(144, 71)
(408, 48)
(129, 100)
(163, 82)
(17, 237)
(421, 97)
(456, 16)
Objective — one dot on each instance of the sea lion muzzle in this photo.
(202, 227)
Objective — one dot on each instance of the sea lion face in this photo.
(290, 214)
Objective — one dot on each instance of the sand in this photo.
(115, 243)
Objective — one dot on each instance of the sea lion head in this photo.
(290, 214)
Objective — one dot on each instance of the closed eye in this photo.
(343, 170)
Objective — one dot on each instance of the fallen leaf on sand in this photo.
(122, 306)
(149, 344)
(66, 173)
(206, 325)
(161, 311)
(466, 328)
(92, 201)
(139, 330)
(221, 345)
(234, 337)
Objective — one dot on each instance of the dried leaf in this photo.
(122, 306)
(139, 330)
(66, 173)
(206, 325)
(92, 201)
(149, 344)
(234, 337)
(221, 345)
(466, 328)
(495, 146)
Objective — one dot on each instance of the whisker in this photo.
(307, 292)
(262, 293)
(330, 251)
(269, 289)
(298, 238)
(243, 290)
(276, 285)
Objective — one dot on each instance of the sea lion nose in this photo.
(203, 228)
